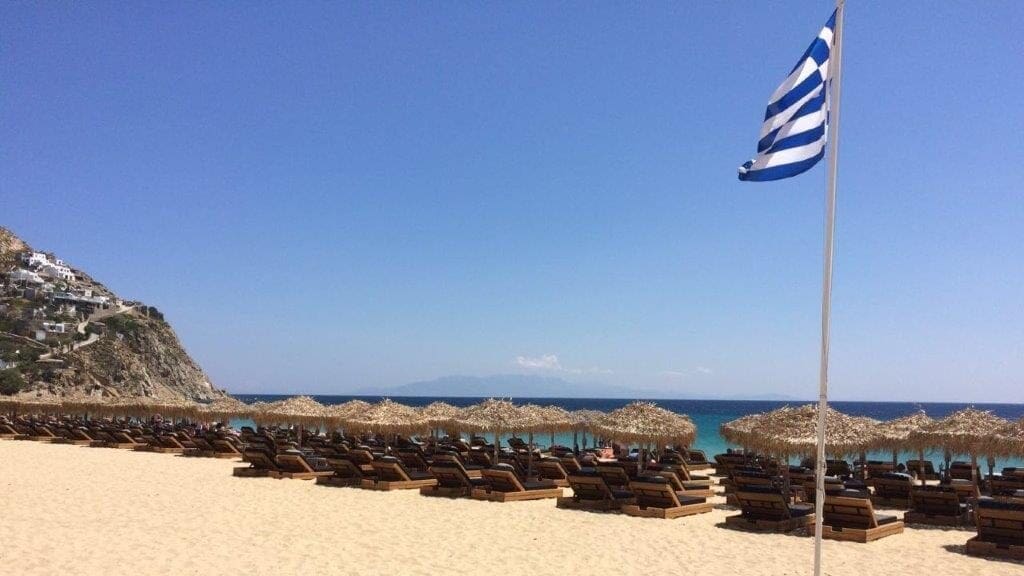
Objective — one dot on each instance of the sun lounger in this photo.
(223, 448)
(967, 489)
(963, 471)
(675, 476)
(767, 509)
(297, 466)
(892, 489)
(346, 472)
(7, 432)
(503, 485)
(591, 492)
(1005, 485)
(875, 468)
(922, 469)
(41, 433)
(551, 469)
(656, 498)
(936, 506)
(392, 475)
(614, 475)
(840, 468)
(471, 470)
(1000, 529)
(452, 480)
(261, 465)
(854, 519)
(413, 460)
(697, 460)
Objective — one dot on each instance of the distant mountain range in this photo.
(535, 386)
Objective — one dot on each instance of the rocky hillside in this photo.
(64, 334)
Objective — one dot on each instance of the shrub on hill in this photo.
(11, 382)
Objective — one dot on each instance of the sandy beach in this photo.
(68, 509)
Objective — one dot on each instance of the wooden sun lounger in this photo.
(225, 449)
(700, 488)
(261, 465)
(875, 468)
(697, 460)
(892, 490)
(504, 486)
(1000, 530)
(922, 469)
(591, 492)
(551, 469)
(43, 434)
(296, 467)
(963, 471)
(452, 481)
(854, 519)
(936, 506)
(471, 470)
(346, 472)
(7, 432)
(1005, 485)
(768, 510)
(655, 498)
(392, 475)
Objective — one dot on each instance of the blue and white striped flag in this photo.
(794, 131)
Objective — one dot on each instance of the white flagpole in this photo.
(835, 68)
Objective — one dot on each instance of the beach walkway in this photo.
(68, 509)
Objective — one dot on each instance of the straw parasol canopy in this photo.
(968, 431)
(342, 414)
(32, 405)
(224, 408)
(495, 416)
(586, 419)
(794, 430)
(388, 416)
(295, 410)
(646, 422)
(895, 434)
(1009, 441)
(440, 414)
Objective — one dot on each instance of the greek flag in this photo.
(794, 131)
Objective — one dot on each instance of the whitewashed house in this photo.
(33, 259)
(57, 272)
(22, 275)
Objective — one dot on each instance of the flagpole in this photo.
(835, 65)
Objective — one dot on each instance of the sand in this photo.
(77, 510)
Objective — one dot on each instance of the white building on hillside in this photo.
(57, 272)
(22, 275)
(32, 259)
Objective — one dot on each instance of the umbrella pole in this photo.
(895, 459)
(529, 457)
(920, 465)
(497, 445)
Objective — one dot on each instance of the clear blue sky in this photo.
(324, 197)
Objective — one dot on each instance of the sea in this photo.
(708, 415)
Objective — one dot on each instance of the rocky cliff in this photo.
(109, 347)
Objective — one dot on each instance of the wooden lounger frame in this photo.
(519, 493)
(261, 466)
(658, 500)
(857, 517)
(997, 531)
(936, 508)
(295, 467)
(448, 471)
(393, 476)
(766, 512)
(890, 486)
(591, 493)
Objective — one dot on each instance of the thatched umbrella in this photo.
(295, 410)
(793, 430)
(301, 410)
(495, 416)
(224, 408)
(1009, 441)
(339, 415)
(583, 421)
(894, 434)
(968, 431)
(390, 417)
(644, 423)
(440, 414)
(33, 405)
(85, 405)
(556, 419)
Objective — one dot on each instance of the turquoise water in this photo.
(709, 415)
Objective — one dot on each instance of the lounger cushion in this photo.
(989, 503)
(505, 467)
(621, 494)
(895, 476)
(538, 485)
(801, 509)
(685, 500)
(885, 519)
